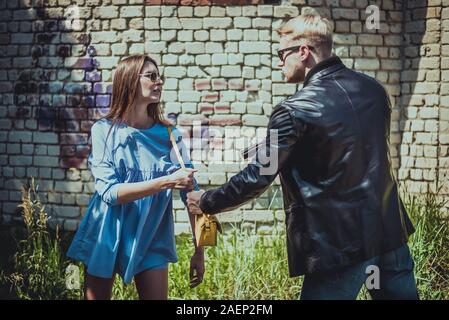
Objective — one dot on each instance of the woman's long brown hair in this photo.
(124, 90)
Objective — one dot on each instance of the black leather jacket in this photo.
(340, 196)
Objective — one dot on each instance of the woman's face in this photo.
(150, 84)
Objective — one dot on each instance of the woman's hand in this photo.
(181, 179)
(197, 268)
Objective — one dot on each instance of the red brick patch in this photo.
(216, 142)
(225, 120)
(218, 84)
(235, 2)
(68, 151)
(235, 84)
(202, 84)
(86, 125)
(74, 162)
(188, 121)
(210, 96)
(195, 3)
(206, 108)
(222, 107)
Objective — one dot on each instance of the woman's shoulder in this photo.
(101, 128)
(102, 122)
(102, 125)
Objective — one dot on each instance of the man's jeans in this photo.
(397, 280)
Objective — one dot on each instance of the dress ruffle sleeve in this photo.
(102, 166)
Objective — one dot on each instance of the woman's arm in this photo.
(197, 268)
(181, 179)
(192, 225)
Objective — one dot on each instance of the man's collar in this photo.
(334, 60)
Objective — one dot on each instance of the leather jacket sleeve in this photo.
(253, 180)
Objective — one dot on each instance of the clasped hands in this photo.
(193, 201)
(183, 179)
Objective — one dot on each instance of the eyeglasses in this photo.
(294, 48)
(153, 76)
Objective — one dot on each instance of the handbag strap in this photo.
(175, 146)
(178, 155)
(181, 161)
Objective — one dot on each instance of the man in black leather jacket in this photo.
(345, 220)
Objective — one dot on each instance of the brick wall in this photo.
(425, 89)
(57, 57)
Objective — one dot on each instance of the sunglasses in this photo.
(294, 48)
(153, 76)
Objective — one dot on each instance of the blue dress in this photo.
(135, 236)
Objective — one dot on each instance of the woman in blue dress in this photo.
(128, 226)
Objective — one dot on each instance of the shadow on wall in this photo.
(419, 44)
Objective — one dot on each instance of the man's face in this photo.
(292, 65)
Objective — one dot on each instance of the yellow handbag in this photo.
(206, 225)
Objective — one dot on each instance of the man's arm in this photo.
(258, 175)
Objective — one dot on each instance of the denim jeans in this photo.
(396, 279)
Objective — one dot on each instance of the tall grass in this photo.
(39, 265)
(429, 244)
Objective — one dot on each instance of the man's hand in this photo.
(193, 201)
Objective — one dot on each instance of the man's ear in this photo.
(304, 52)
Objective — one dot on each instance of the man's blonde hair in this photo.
(314, 29)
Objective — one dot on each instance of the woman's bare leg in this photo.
(96, 288)
(152, 284)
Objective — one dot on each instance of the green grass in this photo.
(39, 264)
(430, 244)
(241, 266)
